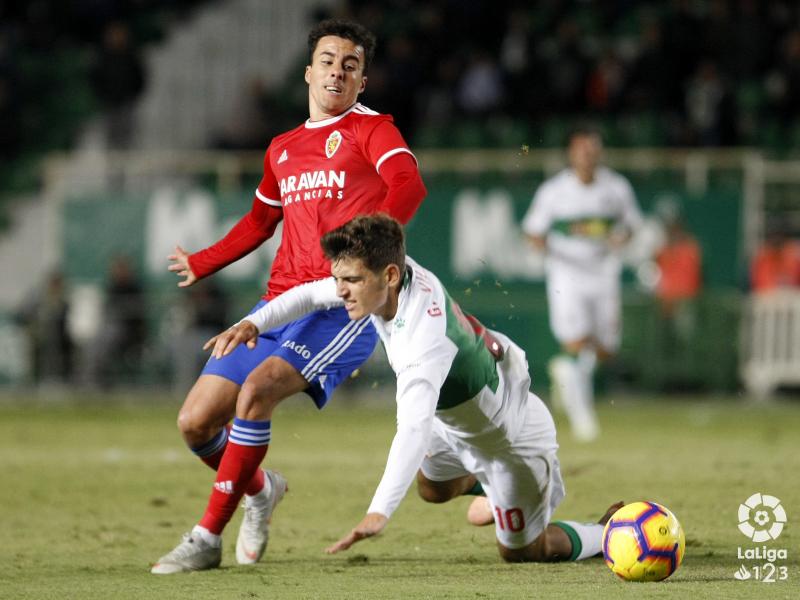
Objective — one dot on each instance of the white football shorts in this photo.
(588, 308)
(522, 481)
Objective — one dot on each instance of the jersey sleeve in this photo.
(381, 140)
(416, 406)
(405, 190)
(294, 303)
(384, 146)
(252, 230)
(249, 233)
(268, 190)
(427, 359)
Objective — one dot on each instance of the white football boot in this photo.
(192, 554)
(254, 531)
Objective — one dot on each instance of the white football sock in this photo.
(586, 538)
(586, 361)
(562, 371)
(576, 392)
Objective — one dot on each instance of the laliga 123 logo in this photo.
(761, 517)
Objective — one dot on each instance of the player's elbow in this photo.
(421, 190)
(265, 218)
(405, 196)
(418, 189)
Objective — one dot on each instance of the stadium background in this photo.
(125, 148)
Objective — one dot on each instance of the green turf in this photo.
(91, 496)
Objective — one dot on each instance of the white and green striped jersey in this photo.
(444, 373)
(430, 338)
(579, 219)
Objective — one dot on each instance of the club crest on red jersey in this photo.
(332, 143)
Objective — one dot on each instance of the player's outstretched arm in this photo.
(405, 457)
(372, 524)
(296, 302)
(226, 342)
(252, 230)
(405, 189)
(180, 266)
(288, 307)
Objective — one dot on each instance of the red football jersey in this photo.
(322, 174)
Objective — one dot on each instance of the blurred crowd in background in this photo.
(62, 63)
(679, 73)
(683, 72)
(122, 348)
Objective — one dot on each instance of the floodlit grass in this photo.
(92, 495)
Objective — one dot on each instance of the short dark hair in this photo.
(377, 240)
(349, 30)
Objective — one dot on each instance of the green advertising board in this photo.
(467, 231)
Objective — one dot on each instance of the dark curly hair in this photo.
(349, 30)
(377, 240)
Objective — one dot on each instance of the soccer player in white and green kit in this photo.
(466, 419)
(581, 217)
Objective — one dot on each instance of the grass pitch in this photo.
(93, 494)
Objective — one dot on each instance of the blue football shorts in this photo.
(324, 346)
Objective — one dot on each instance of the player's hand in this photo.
(370, 525)
(224, 343)
(180, 265)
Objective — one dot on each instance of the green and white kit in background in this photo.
(582, 268)
(458, 410)
(579, 222)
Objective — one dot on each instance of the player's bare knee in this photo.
(432, 491)
(208, 407)
(432, 494)
(184, 422)
(192, 426)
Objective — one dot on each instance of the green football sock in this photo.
(475, 490)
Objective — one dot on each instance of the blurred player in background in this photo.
(466, 420)
(582, 217)
(344, 160)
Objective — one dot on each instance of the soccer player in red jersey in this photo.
(343, 161)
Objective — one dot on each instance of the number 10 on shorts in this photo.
(510, 519)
